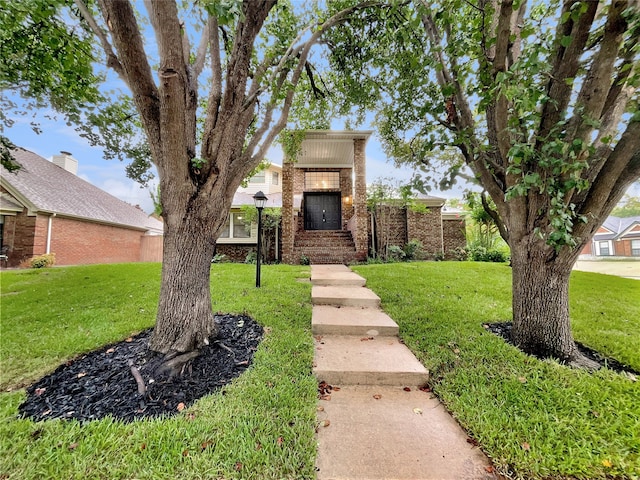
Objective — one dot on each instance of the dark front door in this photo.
(322, 211)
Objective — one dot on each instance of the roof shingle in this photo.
(48, 188)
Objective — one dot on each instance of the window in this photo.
(236, 227)
(635, 248)
(322, 180)
(604, 248)
(275, 178)
(258, 178)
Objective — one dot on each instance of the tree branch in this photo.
(120, 18)
(112, 58)
(595, 88)
(565, 65)
(201, 54)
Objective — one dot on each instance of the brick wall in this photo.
(390, 227)
(454, 235)
(397, 225)
(18, 235)
(426, 227)
(77, 242)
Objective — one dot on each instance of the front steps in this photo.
(356, 342)
(373, 423)
(324, 246)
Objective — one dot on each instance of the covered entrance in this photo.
(322, 211)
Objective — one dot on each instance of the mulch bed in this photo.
(504, 330)
(101, 383)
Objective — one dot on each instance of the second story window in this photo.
(258, 178)
(275, 178)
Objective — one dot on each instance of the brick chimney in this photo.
(66, 161)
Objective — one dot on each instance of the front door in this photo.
(322, 211)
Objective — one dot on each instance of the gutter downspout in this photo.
(49, 225)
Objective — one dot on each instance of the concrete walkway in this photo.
(374, 421)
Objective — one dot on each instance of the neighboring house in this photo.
(46, 208)
(619, 237)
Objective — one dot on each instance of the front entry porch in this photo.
(324, 213)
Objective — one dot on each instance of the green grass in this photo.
(535, 419)
(260, 426)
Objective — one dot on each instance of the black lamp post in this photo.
(260, 199)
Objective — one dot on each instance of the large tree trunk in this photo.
(184, 321)
(541, 324)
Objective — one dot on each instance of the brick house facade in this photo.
(46, 208)
(440, 233)
(617, 237)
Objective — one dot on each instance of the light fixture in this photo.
(260, 200)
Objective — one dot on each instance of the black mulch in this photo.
(504, 330)
(100, 383)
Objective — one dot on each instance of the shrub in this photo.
(413, 250)
(252, 257)
(220, 258)
(304, 260)
(477, 253)
(395, 254)
(438, 256)
(460, 254)
(43, 261)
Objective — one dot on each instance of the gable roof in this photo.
(43, 187)
(617, 226)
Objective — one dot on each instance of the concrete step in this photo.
(331, 277)
(344, 296)
(370, 322)
(377, 433)
(354, 360)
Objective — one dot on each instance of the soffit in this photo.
(329, 148)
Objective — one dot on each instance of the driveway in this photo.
(621, 268)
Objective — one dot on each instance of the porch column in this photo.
(360, 198)
(288, 225)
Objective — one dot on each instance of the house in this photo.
(324, 210)
(240, 237)
(46, 208)
(617, 236)
(324, 206)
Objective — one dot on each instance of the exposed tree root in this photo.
(578, 360)
(173, 363)
(142, 388)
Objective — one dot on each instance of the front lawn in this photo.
(535, 419)
(260, 426)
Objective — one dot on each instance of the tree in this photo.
(541, 100)
(45, 62)
(629, 206)
(257, 54)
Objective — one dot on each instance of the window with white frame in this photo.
(275, 178)
(604, 248)
(635, 248)
(258, 178)
(236, 227)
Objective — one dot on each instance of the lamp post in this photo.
(260, 199)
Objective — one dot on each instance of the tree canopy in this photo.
(541, 100)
